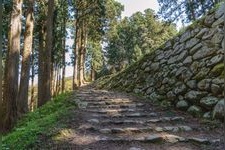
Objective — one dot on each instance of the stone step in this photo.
(159, 138)
(117, 106)
(130, 115)
(137, 121)
(105, 111)
(144, 129)
(108, 102)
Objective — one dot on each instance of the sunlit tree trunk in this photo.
(32, 100)
(12, 71)
(64, 55)
(26, 56)
(82, 55)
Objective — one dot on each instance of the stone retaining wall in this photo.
(186, 72)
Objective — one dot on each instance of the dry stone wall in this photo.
(186, 72)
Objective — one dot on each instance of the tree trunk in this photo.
(22, 99)
(41, 63)
(76, 55)
(58, 81)
(81, 57)
(92, 73)
(32, 100)
(64, 55)
(46, 95)
(52, 78)
(11, 78)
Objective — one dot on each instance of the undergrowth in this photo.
(40, 122)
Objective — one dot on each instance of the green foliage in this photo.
(184, 10)
(130, 38)
(34, 124)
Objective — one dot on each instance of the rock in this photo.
(198, 140)
(173, 138)
(218, 81)
(216, 89)
(188, 60)
(195, 111)
(153, 114)
(154, 138)
(185, 128)
(203, 52)
(135, 115)
(217, 70)
(155, 96)
(218, 22)
(192, 84)
(117, 130)
(105, 131)
(172, 60)
(183, 105)
(155, 66)
(201, 74)
(209, 20)
(191, 43)
(150, 90)
(201, 33)
(204, 84)
(207, 115)
(171, 96)
(168, 128)
(159, 129)
(218, 111)
(93, 121)
(154, 120)
(209, 102)
(194, 96)
(217, 38)
(182, 56)
(137, 91)
(219, 12)
(177, 118)
(184, 37)
(144, 65)
(178, 48)
(168, 44)
(195, 48)
(180, 89)
(147, 69)
(215, 60)
(135, 148)
(208, 35)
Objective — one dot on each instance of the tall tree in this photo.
(26, 56)
(12, 65)
(184, 10)
(44, 87)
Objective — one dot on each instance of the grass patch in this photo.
(41, 121)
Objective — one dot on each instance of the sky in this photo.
(130, 7)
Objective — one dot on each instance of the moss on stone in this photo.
(218, 70)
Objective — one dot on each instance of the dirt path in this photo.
(109, 120)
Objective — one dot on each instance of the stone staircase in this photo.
(119, 118)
